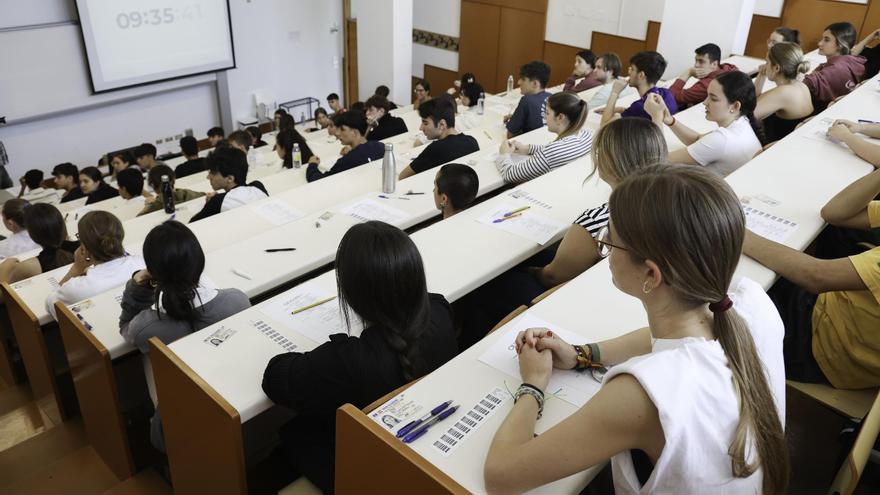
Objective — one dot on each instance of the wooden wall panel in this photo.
(872, 19)
(478, 44)
(522, 40)
(439, 78)
(762, 26)
(539, 6)
(624, 47)
(652, 35)
(560, 58)
(811, 17)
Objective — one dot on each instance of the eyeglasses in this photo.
(605, 247)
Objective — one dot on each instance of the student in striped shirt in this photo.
(566, 114)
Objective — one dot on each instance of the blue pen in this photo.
(84, 322)
(412, 424)
(428, 424)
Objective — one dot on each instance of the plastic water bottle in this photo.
(252, 158)
(481, 104)
(509, 83)
(389, 170)
(167, 195)
(302, 117)
(297, 156)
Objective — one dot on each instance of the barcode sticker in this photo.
(767, 225)
(471, 421)
(521, 194)
(274, 335)
(53, 282)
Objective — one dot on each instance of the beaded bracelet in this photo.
(528, 389)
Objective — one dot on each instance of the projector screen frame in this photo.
(155, 81)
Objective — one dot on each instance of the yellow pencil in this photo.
(488, 135)
(314, 304)
(524, 208)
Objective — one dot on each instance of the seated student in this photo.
(284, 142)
(256, 136)
(194, 163)
(409, 333)
(831, 307)
(67, 179)
(277, 117)
(704, 345)
(46, 226)
(783, 34)
(131, 186)
(13, 219)
(100, 263)
(351, 128)
(385, 91)
(171, 298)
(566, 115)
(32, 189)
(288, 126)
(841, 72)
(529, 113)
(731, 105)
(455, 188)
(438, 124)
(334, 103)
(469, 97)
(322, 120)
(606, 72)
(157, 202)
(120, 161)
(645, 69)
(456, 90)
(785, 106)
(383, 125)
(845, 131)
(227, 171)
(871, 54)
(240, 140)
(92, 184)
(707, 66)
(584, 65)
(215, 135)
(422, 92)
(359, 106)
(145, 155)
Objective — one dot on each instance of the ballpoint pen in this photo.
(412, 424)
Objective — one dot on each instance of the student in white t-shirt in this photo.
(694, 403)
(730, 104)
(13, 219)
(100, 263)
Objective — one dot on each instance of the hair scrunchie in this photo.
(721, 306)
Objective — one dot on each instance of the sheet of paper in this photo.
(531, 224)
(317, 323)
(278, 212)
(575, 387)
(371, 209)
(817, 130)
(768, 225)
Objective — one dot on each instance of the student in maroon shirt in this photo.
(842, 72)
(584, 64)
(707, 66)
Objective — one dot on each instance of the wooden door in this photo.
(350, 74)
(478, 44)
(521, 37)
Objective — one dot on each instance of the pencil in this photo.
(507, 217)
(524, 208)
(314, 304)
(487, 134)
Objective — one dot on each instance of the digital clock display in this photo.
(156, 17)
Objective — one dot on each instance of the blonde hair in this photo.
(790, 59)
(694, 231)
(626, 145)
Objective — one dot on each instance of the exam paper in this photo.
(767, 225)
(370, 209)
(575, 387)
(317, 323)
(531, 224)
(278, 213)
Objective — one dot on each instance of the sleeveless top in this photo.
(776, 128)
(690, 383)
(46, 257)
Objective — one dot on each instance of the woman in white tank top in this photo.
(697, 399)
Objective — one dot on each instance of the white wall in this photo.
(770, 8)
(17, 13)
(436, 16)
(385, 48)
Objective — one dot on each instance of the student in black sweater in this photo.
(92, 185)
(193, 164)
(351, 127)
(67, 178)
(438, 123)
(227, 171)
(284, 142)
(382, 124)
(408, 333)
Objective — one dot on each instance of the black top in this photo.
(48, 256)
(444, 151)
(872, 62)
(190, 167)
(359, 155)
(101, 193)
(215, 205)
(71, 195)
(387, 126)
(344, 370)
(776, 128)
(260, 143)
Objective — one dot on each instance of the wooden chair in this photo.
(35, 355)
(853, 404)
(507, 319)
(95, 383)
(203, 436)
(545, 294)
(7, 369)
(848, 476)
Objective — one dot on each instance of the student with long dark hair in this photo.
(170, 298)
(566, 115)
(46, 226)
(284, 142)
(92, 184)
(408, 333)
(730, 104)
(694, 401)
(13, 219)
(841, 72)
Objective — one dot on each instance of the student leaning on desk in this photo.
(47, 228)
(704, 346)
